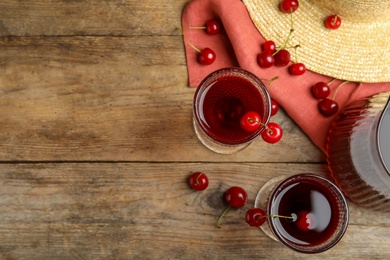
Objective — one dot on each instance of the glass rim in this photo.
(329, 243)
(259, 85)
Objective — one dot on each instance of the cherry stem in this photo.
(197, 178)
(330, 82)
(272, 80)
(284, 44)
(280, 216)
(289, 34)
(290, 47)
(274, 216)
(194, 27)
(339, 86)
(218, 224)
(296, 54)
(334, 20)
(188, 42)
(192, 45)
(251, 120)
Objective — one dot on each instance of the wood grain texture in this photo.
(110, 98)
(89, 17)
(97, 144)
(148, 211)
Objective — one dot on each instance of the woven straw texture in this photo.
(358, 51)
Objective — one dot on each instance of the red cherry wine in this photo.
(310, 195)
(222, 104)
(358, 151)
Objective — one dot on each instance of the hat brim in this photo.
(357, 51)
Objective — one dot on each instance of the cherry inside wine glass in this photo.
(315, 212)
(220, 102)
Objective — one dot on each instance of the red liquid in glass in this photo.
(353, 155)
(311, 196)
(224, 103)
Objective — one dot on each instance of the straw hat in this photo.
(357, 51)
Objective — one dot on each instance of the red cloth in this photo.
(239, 43)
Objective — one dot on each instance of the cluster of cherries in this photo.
(207, 56)
(251, 121)
(328, 107)
(271, 55)
(237, 197)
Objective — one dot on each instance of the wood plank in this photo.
(111, 99)
(97, 143)
(143, 211)
(58, 17)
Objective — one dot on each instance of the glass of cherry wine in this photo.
(231, 108)
(305, 212)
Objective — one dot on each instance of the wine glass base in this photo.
(217, 147)
(261, 201)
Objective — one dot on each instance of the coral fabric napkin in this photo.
(239, 43)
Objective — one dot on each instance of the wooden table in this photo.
(97, 143)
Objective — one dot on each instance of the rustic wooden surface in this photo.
(96, 144)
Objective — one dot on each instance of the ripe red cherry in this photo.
(305, 221)
(235, 197)
(212, 27)
(333, 22)
(269, 46)
(274, 107)
(289, 6)
(255, 217)
(207, 56)
(328, 107)
(265, 59)
(282, 58)
(273, 133)
(320, 90)
(199, 181)
(297, 69)
(250, 121)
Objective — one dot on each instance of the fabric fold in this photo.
(239, 43)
